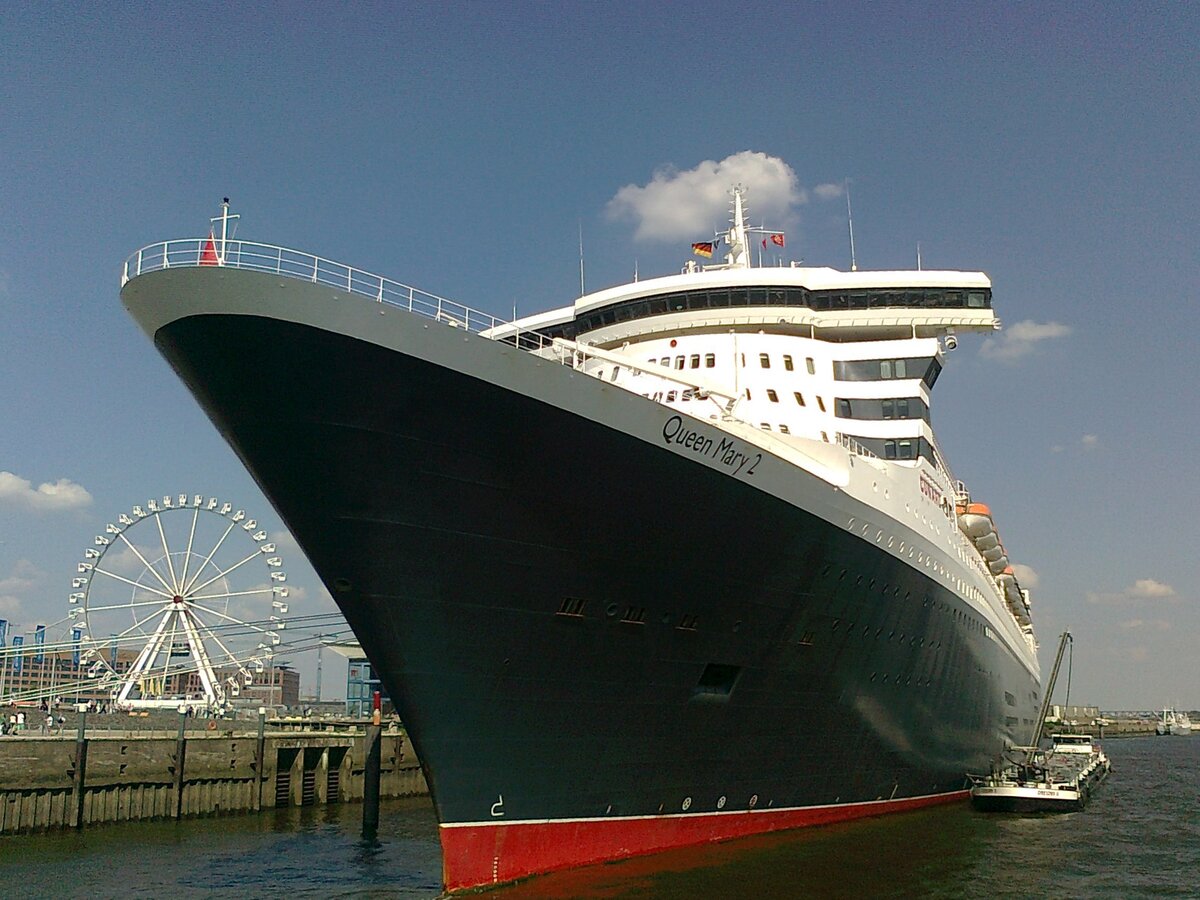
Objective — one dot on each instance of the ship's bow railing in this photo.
(297, 264)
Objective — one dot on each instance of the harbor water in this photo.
(1139, 837)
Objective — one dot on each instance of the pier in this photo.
(116, 768)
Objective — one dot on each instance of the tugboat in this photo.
(1059, 779)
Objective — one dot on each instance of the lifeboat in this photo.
(975, 520)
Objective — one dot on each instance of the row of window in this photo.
(886, 408)
(926, 368)
(899, 448)
(773, 396)
(692, 361)
(721, 298)
(764, 361)
(685, 361)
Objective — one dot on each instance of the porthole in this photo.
(753, 800)
(721, 802)
(687, 803)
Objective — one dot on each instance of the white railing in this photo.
(854, 446)
(306, 267)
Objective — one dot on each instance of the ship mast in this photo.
(738, 256)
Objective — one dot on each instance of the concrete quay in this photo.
(117, 774)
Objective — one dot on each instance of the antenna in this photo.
(850, 222)
(581, 288)
(225, 218)
(918, 256)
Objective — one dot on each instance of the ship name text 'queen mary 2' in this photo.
(679, 562)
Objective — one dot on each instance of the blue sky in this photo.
(461, 147)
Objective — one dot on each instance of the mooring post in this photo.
(371, 772)
(80, 763)
(261, 756)
(180, 755)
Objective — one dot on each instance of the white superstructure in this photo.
(833, 370)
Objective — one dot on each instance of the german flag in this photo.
(703, 248)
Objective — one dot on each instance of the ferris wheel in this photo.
(179, 602)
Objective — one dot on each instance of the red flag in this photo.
(777, 240)
(208, 256)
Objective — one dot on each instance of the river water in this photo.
(1139, 837)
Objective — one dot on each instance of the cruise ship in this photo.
(678, 562)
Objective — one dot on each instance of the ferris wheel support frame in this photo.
(214, 694)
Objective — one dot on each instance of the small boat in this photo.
(1173, 722)
(1058, 779)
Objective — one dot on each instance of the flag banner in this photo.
(18, 640)
(3, 632)
(703, 248)
(76, 637)
(208, 256)
(39, 639)
(777, 240)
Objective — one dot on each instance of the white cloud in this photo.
(828, 191)
(677, 205)
(1089, 441)
(47, 497)
(1142, 589)
(285, 541)
(1149, 588)
(1158, 624)
(1019, 340)
(1026, 576)
(24, 578)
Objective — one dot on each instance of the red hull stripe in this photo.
(477, 854)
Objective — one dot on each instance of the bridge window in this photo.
(710, 360)
(787, 362)
(925, 368)
(812, 369)
(799, 397)
(695, 360)
(764, 360)
(897, 448)
(772, 396)
(913, 298)
(887, 408)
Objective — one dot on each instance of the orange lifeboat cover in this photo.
(979, 509)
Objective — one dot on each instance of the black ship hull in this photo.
(599, 647)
